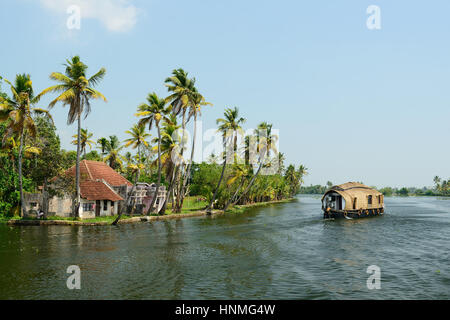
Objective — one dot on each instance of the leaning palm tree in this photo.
(153, 112)
(229, 126)
(102, 142)
(84, 140)
(18, 113)
(239, 172)
(138, 138)
(76, 91)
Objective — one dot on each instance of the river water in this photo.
(280, 251)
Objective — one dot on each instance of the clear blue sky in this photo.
(351, 103)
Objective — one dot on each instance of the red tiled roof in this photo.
(97, 190)
(97, 170)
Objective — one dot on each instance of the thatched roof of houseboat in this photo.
(351, 190)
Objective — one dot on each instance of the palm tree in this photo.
(150, 113)
(84, 140)
(113, 157)
(168, 147)
(183, 96)
(265, 142)
(302, 171)
(229, 126)
(292, 179)
(195, 110)
(138, 138)
(19, 114)
(76, 90)
(102, 142)
(239, 172)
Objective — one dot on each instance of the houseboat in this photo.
(352, 200)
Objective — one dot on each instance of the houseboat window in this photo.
(354, 203)
(369, 200)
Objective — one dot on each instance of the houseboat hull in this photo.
(352, 214)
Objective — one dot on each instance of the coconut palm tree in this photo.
(302, 171)
(195, 110)
(18, 111)
(183, 96)
(168, 147)
(84, 140)
(102, 142)
(153, 112)
(229, 126)
(138, 138)
(239, 172)
(75, 90)
(113, 156)
(265, 142)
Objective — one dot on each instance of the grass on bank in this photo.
(191, 204)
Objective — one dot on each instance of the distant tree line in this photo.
(441, 188)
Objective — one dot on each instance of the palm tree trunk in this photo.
(127, 204)
(209, 208)
(159, 172)
(179, 184)
(45, 198)
(22, 200)
(250, 184)
(234, 195)
(169, 191)
(188, 173)
(77, 169)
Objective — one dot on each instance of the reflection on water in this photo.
(283, 251)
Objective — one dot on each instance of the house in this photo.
(352, 200)
(103, 192)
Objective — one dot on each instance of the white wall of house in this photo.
(87, 209)
(107, 207)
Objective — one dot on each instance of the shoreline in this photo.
(138, 219)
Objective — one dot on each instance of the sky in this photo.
(351, 103)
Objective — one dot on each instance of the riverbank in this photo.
(104, 221)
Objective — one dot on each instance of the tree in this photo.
(150, 113)
(183, 95)
(76, 90)
(102, 142)
(49, 162)
(197, 101)
(18, 112)
(168, 144)
(113, 156)
(138, 138)
(265, 142)
(84, 140)
(229, 127)
(241, 173)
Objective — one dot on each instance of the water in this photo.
(282, 251)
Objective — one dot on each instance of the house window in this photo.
(105, 205)
(369, 200)
(88, 207)
(33, 204)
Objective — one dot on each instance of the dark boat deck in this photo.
(353, 214)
